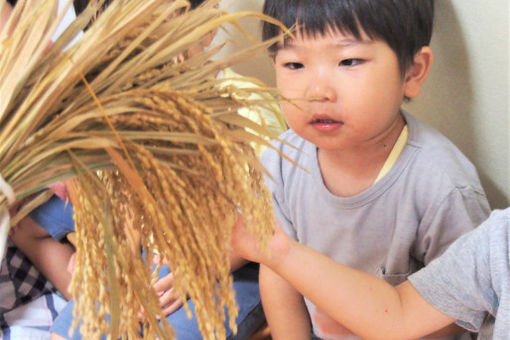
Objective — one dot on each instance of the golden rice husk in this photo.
(160, 161)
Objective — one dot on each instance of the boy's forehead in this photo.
(332, 38)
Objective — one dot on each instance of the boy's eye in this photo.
(293, 66)
(351, 62)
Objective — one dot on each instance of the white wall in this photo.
(467, 94)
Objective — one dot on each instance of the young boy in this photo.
(469, 284)
(376, 189)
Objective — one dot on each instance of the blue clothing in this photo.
(56, 216)
(250, 318)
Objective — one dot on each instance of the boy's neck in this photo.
(351, 171)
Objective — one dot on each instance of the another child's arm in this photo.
(369, 306)
(48, 255)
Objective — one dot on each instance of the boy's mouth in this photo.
(325, 121)
(326, 124)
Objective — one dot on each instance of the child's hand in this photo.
(246, 246)
(164, 289)
(242, 242)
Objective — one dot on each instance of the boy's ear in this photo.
(418, 71)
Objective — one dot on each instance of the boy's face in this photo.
(355, 89)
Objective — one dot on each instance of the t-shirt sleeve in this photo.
(56, 216)
(453, 215)
(458, 283)
(272, 162)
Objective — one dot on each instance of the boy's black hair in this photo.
(405, 25)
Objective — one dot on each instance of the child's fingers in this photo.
(165, 283)
(71, 265)
(171, 307)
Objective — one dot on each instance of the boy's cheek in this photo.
(289, 112)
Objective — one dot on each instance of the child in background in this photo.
(468, 284)
(42, 238)
(377, 190)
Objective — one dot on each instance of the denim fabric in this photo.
(56, 216)
(250, 318)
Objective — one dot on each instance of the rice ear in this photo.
(158, 157)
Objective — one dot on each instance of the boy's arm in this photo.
(283, 306)
(48, 255)
(367, 305)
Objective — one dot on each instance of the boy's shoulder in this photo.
(291, 144)
(286, 152)
(439, 156)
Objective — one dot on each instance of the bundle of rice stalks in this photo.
(161, 156)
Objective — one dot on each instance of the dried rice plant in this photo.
(161, 156)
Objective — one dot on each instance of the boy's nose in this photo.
(321, 89)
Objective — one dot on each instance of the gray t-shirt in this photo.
(471, 281)
(430, 197)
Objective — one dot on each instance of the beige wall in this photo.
(467, 94)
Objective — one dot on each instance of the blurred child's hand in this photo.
(60, 189)
(164, 288)
(71, 265)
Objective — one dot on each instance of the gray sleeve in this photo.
(454, 214)
(272, 162)
(458, 283)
